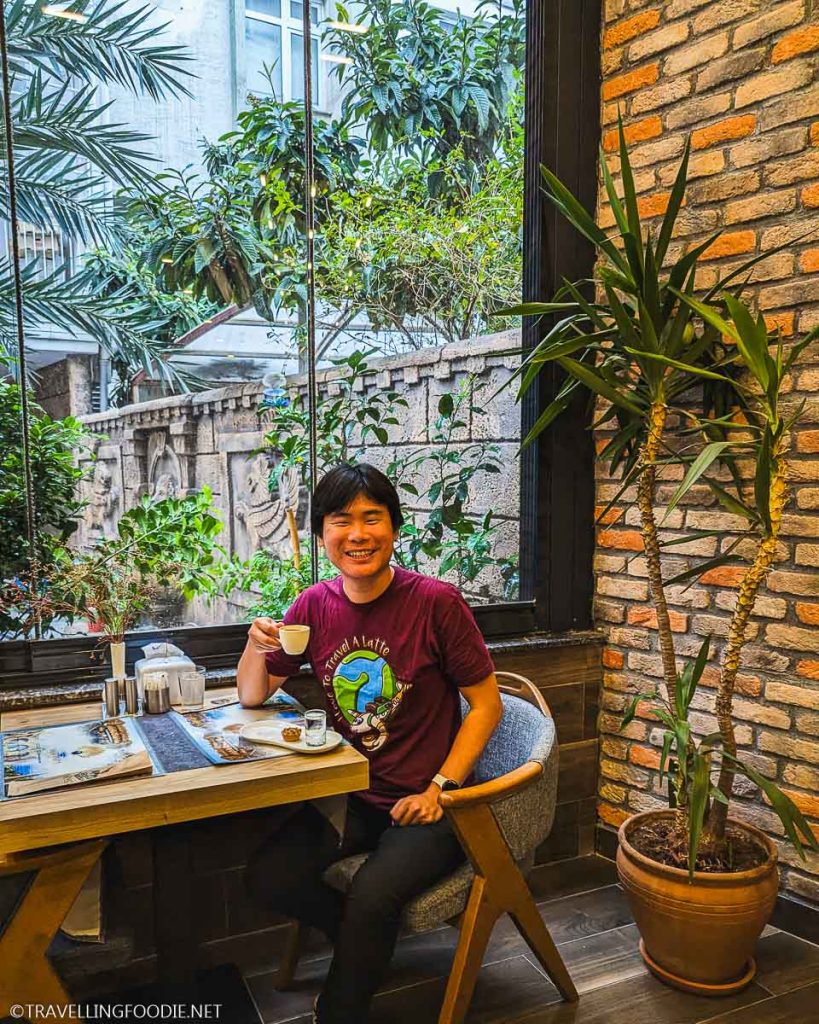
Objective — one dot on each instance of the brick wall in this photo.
(742, 77)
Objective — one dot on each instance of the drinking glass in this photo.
(192, 687)
(315, 728)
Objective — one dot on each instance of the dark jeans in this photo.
(285, 874)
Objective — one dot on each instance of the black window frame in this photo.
(557, 472)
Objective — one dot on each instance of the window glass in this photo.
(273, 8)
(297, 68)
(263, 54)
(165, 275)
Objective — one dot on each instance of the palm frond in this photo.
(112, 43)
(63, 198)
(57, 121)
(72, 308)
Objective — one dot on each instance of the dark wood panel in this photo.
(577, 778)
(566, 704)
(555, 666)
(574, 875)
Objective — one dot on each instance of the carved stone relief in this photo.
(164, 469)
(259, 515)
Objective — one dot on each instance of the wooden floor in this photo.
(589, 919)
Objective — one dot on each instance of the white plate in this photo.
(264, 732)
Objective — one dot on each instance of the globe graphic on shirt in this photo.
(360, 679)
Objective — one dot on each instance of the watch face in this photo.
(450, 784)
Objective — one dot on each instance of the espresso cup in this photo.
(294, 639)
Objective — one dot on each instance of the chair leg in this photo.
(290, 956)
(530, 925)
(476, 927)
(26, 976)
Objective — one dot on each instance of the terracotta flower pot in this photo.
(699, 936)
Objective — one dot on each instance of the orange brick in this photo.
(732, 244)
(782, 321)
(640, 131)
(808, 441)
(631, 81)
(646, 757)
(808, 669)
(626, 540)
(612, 815)
(814, 133)
(648, 617)
(653, 206)
(806, 803)
(722, 131)
(810, 196)
(808, 613)
(724, 576)
(809, 261)
(612, 658)
(801, 40)
(630, 28)
(611, 516)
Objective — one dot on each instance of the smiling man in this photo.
(393, 649)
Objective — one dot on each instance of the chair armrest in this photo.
(495, 789)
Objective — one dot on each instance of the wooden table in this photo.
(87, 813)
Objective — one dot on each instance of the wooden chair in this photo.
(26, 976)
(500, 821)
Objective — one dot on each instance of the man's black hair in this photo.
(339, 487)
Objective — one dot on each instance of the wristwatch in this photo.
(444, 784)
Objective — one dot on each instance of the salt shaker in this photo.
(131, 696)
(111, 697)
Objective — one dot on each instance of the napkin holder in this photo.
(163, 657)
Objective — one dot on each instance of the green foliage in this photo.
(420, 234)
(641, 343)
(159, 544)
(345, 423)
(447, 537)
(450, 538)
(65, 149)
(691, 786)
(424, 88)
(55, 477)
(238, 235)
(274, 582)
(440, 262)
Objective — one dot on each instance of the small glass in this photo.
(192, 687)
(315, 728)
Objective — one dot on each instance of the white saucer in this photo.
(266, 732)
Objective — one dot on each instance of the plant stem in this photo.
(751, 582)
(645, 501)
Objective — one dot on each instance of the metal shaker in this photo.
(131, 696)
(111, 697)
(157, 694)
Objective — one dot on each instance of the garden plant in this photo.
(694, 381)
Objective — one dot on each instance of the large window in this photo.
(274, 49)
(189, 312)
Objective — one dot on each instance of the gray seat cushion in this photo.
(525, 818)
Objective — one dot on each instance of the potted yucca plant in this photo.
(693, 381)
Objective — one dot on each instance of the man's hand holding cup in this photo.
(264, 635)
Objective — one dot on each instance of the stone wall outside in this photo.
(177, 445)
(742, 78)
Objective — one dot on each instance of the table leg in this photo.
(177, 946)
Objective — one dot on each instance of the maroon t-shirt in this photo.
(391, 669)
